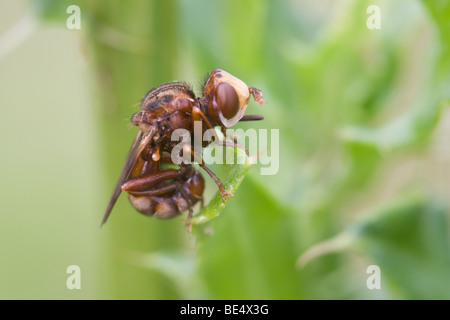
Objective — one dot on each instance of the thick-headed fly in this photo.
(154, 187)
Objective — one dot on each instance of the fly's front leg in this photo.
(188, 150)
(198, 115)
(233, 143)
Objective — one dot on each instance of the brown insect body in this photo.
(154, 189)
(153, 194)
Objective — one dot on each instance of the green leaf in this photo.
(406, 130)
(408, 239)
(410, 242)
(177, 266)
(250, 251)
(440, 12)
(232, 182)
(56, 11)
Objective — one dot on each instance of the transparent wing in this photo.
(139, 143)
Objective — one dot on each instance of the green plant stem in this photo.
(133, 48)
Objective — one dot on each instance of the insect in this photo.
(154, 187)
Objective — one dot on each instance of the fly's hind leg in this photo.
(143, 185)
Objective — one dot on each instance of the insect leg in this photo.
(157, 191)
(140, 142)
(198, 115)
(188, 149)
(144, 182)
(186, 197)
(165, 158)
(233, 144)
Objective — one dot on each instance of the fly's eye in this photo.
(227, 100)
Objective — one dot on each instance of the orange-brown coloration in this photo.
(155, 190)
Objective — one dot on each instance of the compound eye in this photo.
(227, 100)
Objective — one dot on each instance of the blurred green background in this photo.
(364, 149)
